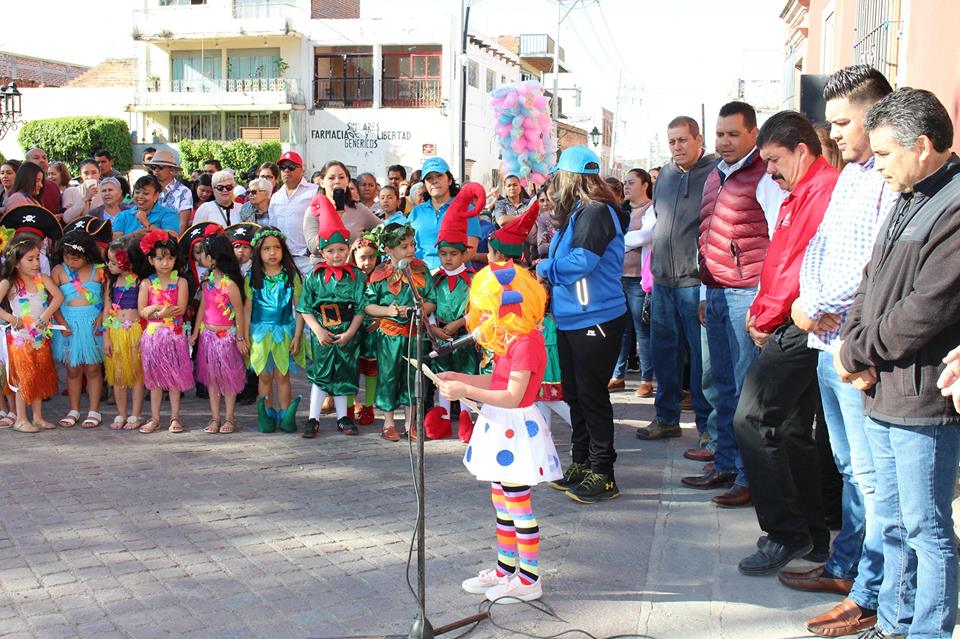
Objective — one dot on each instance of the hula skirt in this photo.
(32, 370)
(512, 446)
(124, 368)
(165, 355)
(220, 365)
(84, 345)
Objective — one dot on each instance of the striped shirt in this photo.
(834, 261)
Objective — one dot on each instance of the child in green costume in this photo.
(365, 253)
(332, 307)
(390, 297)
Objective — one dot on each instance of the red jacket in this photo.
(733, 230)
(800, 215)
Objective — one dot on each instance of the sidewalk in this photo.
(107, 534)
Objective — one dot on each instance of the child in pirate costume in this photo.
(241, 239)
(452, 289)
(332, 307)
(389, 297)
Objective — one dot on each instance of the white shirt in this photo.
(286, 212)
(212, 212)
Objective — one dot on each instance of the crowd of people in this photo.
(798, 276)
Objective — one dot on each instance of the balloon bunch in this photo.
(524, 131)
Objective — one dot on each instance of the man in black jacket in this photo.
(905, 320)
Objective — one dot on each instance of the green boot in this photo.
(266, 423)
(288, 423)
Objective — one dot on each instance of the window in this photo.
(343, 77)
(257, 8)
(196, 71)
(235, 122)
(253, 70)
(491, 80)
(180, 3)
(192, 126)
(473, 74)
(411, 76)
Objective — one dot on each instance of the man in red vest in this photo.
(734, 235)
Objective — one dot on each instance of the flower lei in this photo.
(129, 281)
(79, 287)
(221, 296)
(35, 334)
(158, 290)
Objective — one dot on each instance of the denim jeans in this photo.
(916, 470)
(673, 321)
(857, 551)
(709, 393)
(635, 299)
(731, 353)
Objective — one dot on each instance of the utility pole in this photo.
(561, 16)
(465, 10)
(616, 122)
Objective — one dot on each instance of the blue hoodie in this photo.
(584, 266)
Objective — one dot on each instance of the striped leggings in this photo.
(518, 536)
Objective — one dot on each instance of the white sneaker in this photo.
(516, 590)
(483, 582)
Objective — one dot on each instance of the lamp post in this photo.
(595, 136)
(10, 108)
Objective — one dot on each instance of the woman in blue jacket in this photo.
(583, 267)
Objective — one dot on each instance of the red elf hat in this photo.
(330, 225)
(509, 239)
(453, 226)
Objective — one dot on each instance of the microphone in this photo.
(403, 265)
(448, 347)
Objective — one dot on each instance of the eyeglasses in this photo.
(253, 191)
(288, 167)
(157, 167)
(224, 187)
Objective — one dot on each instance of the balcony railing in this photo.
(343, 92)
(402, 92)
(221, 85)
(538, 45)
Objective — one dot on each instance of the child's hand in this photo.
(453, 391)
(393, 310)
(323, 336)
(295, 346)
(439, 333)
(343, 339)
(244, 347)
(193, 339)
(448, 376)
(107, 347)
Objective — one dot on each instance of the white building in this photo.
(321, 77)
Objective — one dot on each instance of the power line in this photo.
(613, 40)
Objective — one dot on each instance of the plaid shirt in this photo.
(834, 261)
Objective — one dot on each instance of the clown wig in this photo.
(505, 302)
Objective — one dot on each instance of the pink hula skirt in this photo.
(220, 365)
(165, 355)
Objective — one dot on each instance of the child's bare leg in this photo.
(284, 390)
(94, 386)
(138, 392)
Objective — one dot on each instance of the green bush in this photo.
(73, 139)
(237, 154)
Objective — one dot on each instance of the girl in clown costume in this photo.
(511, 446)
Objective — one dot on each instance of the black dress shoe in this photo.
(818, 555)
(713, 479)
(771, 557)
(310, 429)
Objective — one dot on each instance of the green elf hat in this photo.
(330, 225)
(510, 238)
(453, 226)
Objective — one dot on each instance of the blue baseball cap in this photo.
(434, 165)
(578, 159)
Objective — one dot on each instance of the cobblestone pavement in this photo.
(109, 534)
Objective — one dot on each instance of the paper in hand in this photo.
(429, 374)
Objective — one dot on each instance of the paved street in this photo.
(117, 534)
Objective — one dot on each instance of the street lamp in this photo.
(10, 108)
(595, 136)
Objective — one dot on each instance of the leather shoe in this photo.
(686, 401)
(736, 497)
(658, 430)
(644, 390)
(846, 618)
(616, 385)
(815, 580)
(771, 557)
(818, 555)
(713, 479)
(699, 454)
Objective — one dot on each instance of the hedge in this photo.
(73, 139)
(237, 154)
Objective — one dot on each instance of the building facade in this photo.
(29, 71)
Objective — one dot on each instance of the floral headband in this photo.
(264, 233)
(391, 238)
(153, 238)
(369, 239)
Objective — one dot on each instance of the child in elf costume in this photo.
(332, 307)
(511, 446)
(390, 297)
(452, 288)
(365, 253)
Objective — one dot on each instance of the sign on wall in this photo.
(362, 135)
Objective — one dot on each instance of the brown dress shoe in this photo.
(713, 479)
(846, 618)
(699, 454)
(616, 385)
(686, 403)
(645, 390)
(815, 580)
(736, 497)
(390, 434)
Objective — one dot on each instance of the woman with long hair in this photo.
(59, 174)
(26, 187)
(8, 175)
(584, 266)
(356, 217)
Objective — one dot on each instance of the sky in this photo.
(671, 55)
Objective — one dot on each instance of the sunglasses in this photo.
(253, 191)
(157, 167)
(224, 187)
(288, 167)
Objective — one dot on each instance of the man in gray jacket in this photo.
(676, 278)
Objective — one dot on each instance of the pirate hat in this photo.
(329, 223)
(99, 230)
(510, 238)
(453, 226)
(241, 233)
(33, 219)
(195, 234)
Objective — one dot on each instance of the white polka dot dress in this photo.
(512, 446)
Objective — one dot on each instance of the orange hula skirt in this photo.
(32, 370)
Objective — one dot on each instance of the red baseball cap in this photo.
(291, 156)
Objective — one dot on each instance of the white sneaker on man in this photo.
(484, 581)
(515, 591)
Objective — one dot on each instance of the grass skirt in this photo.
(166, 359)
(220, 365)
(512, 446)
(84, 346)
(123, 367)
(31, 369)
